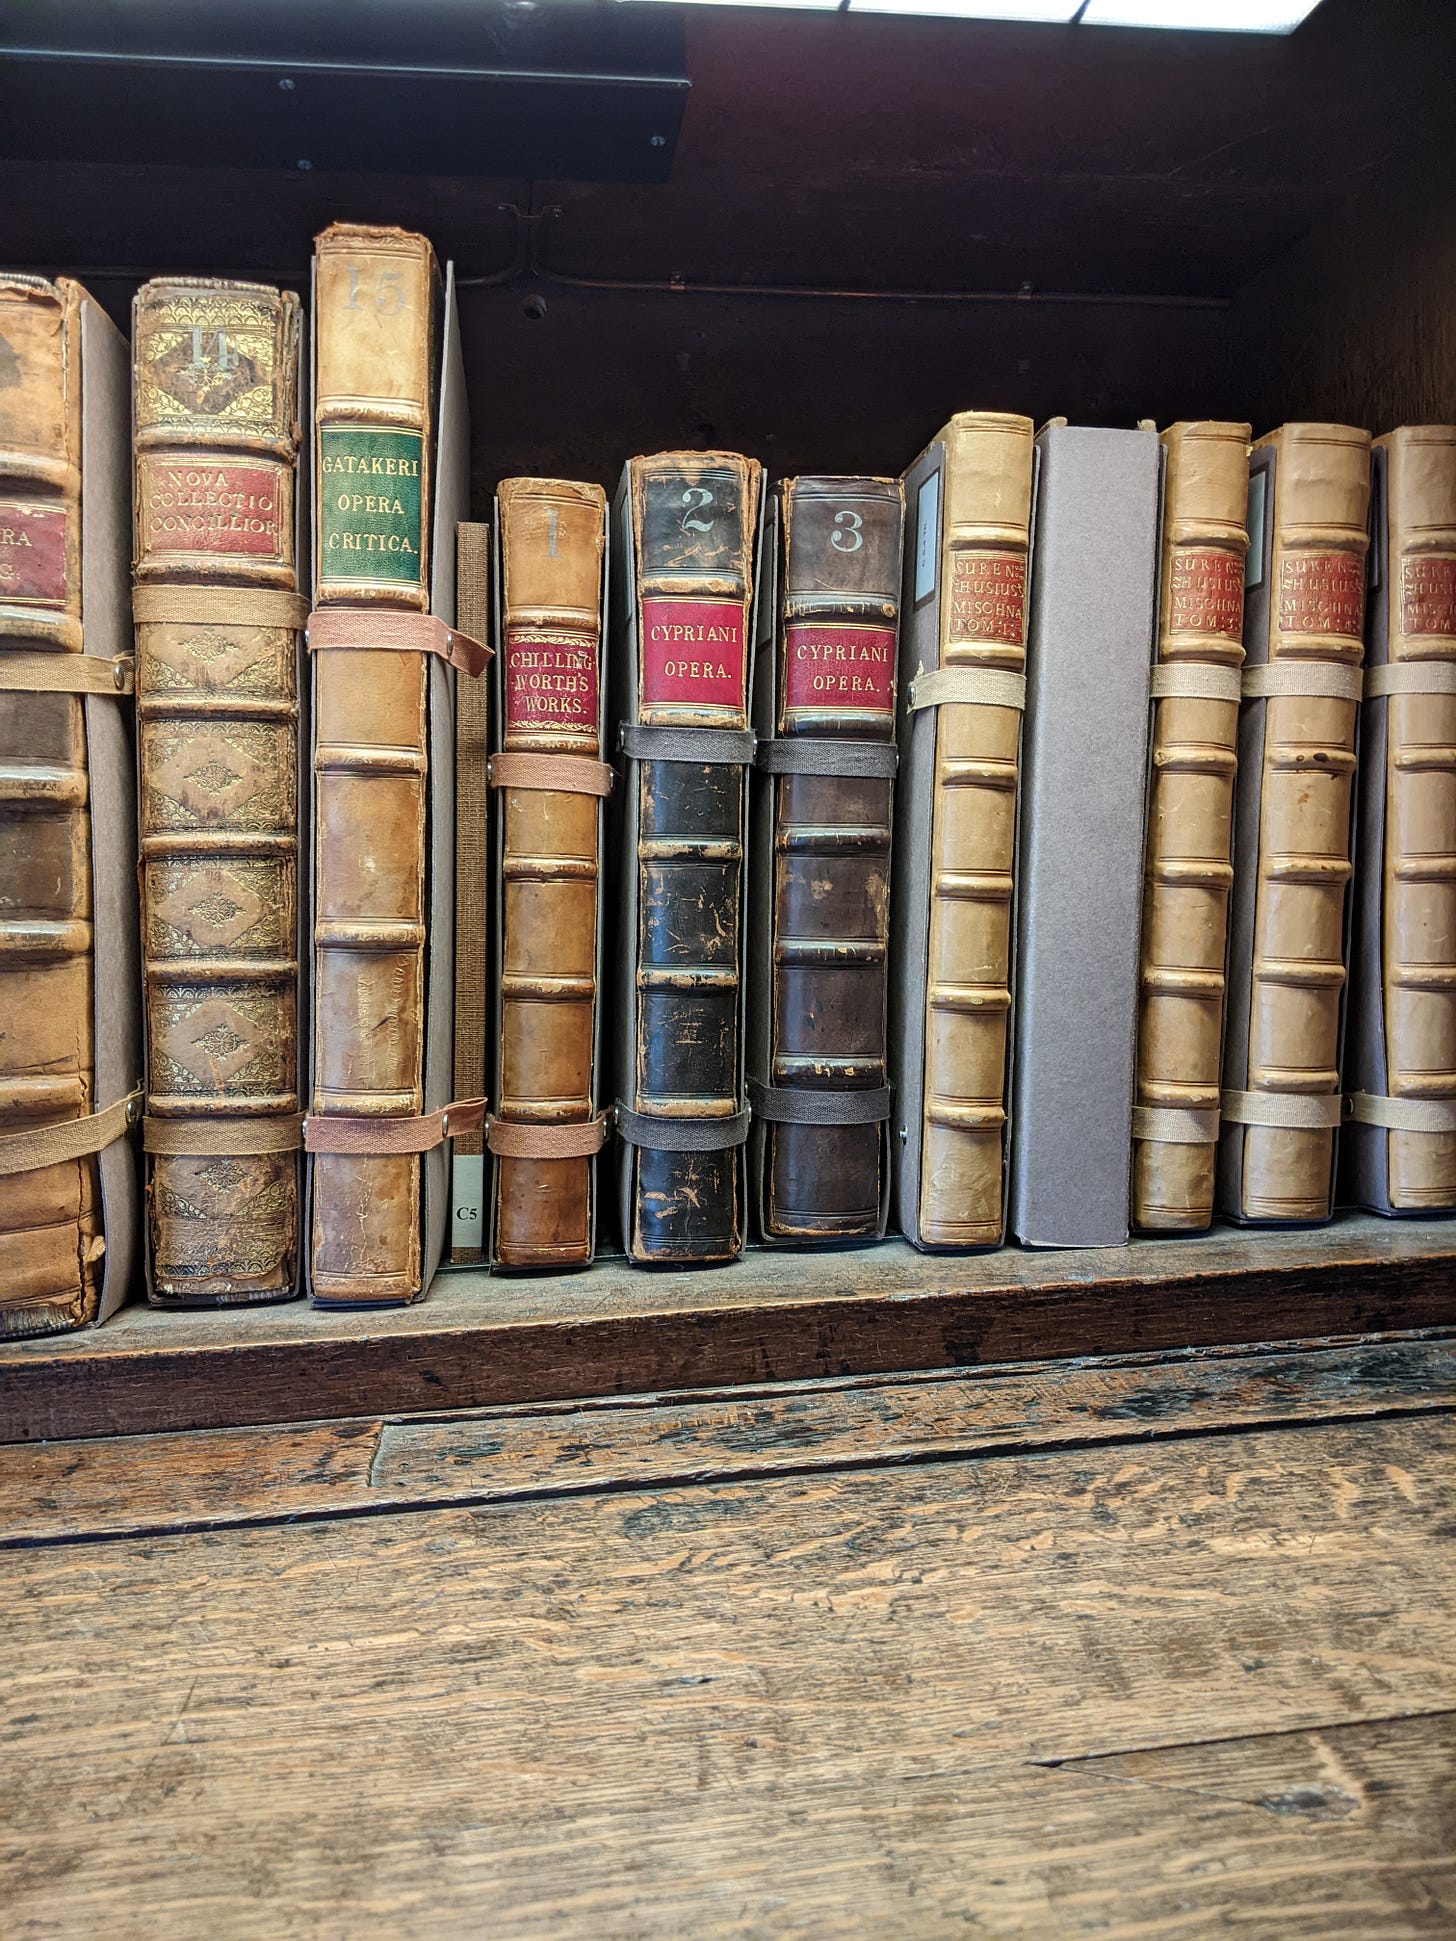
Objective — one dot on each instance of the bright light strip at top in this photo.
(1202, 16)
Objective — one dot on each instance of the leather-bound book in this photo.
(218, 616)
(552, 542)
(50, 1217)
(963, 656)
(376, 308)
(689, 530)
(1309, 487)
(825, 713)
(1189, 866)
(1399, 1146)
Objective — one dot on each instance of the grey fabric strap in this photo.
(1403, 1115)
(1175, 1125)
(1181, 681)
(680, 1135)
(650, 744)
(833, 758)
(780, 1106)
(1411, 677)
(1325, 680)
(1294, 1111)
(987, 687)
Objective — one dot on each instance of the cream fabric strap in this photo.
(1411, 677)
(367, 630)
(1175, 1125)
(1322, 679)
(27, 1152)
(31, 673)
(219, 606)
(341, 1132)
(987, 687)
(1293, 1111)
(512, 1140)
(222, 1138)
(1175, 681)
(521, 768)
(1403, 1115)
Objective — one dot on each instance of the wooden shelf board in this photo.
(481, 1340)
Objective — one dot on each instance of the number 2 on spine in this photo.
(551, 526)
(850, 540)
(696, 498)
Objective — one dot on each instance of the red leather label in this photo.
(212, 507)
(839, 667)
(551, 681)
(1206, 594)
(1322, 593)
(33, 553)
(1428, 595)
(988, 597)
(693, 651)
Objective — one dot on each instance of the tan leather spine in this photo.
(376, 307)
(1188, 870)
(472, 911)
(984, 540)
(1317, 579)
(216, 409)
(51, 1243)
(1419, 911)
(553, 534)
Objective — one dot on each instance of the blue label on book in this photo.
(927, 537)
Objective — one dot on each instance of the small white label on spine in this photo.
(1254, 558)
(467, 1196)
(927, 536)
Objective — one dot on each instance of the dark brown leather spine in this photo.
(837, 643)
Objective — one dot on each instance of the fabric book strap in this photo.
(1411, 677)
(680, 1135)
(1322, 679)
(511, 1140)
(1176, 681)
(28, 1151)
(519, 768)
(223, 1138)
(1294, 1111)
(987, 687)
(844, 759)
(1403, 1115)
(31, 673)
(362, 630)
(782, 1106)
(1175, 1125)
(732, 746)
(219, 606)
(341, 1132)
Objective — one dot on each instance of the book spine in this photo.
(1419, 922)
(51, 1243)
(984, 545)
(216, 414)
(1188, 870)
(375, 298)
(472, 873)
(553, 535)
(838, 637)
(694, 519)
(1316, 614)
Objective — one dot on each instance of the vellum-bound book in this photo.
(1188, 871)
(1309, 489)
(1398, 1147)
(959, 703)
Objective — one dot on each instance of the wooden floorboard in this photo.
(480, 1341)
(1200, 1686)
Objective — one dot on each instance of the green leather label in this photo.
(369, 505)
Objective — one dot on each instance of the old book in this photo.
(1399, 1146)
(825, 715)
(552, 545)
(1188, 870)
(218, 617)
(1309, 488)
(963, 652)
(376, 304)
(689, 523)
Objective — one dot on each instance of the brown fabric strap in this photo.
(517, 768)
(1175, 1125)
(578, 1141)
(1410, 677)
(986, 687)
(1320, 679)
(1293, 1111)
(28, 1151)
(346, 1133)
(224, 1138)
(219, 606)
(1403, 1115)
(25, 672)
(1194, 681)
(365, 630)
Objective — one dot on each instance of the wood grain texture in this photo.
(826, 1704)
(479, 1341)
